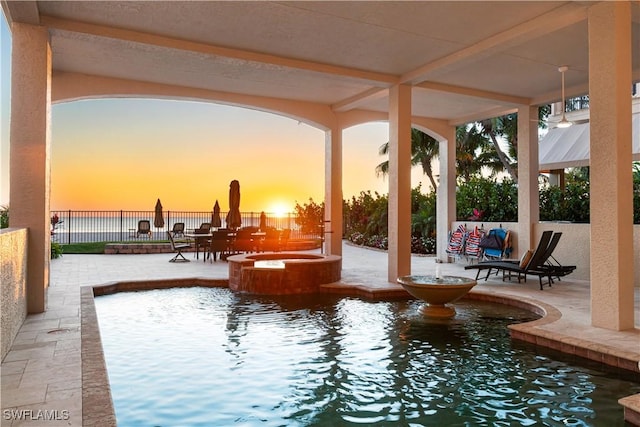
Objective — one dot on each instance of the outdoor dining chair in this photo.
(178, 229)
(219, 245)
(177, 247)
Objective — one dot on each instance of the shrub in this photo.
(56, 250)
(4, 217)
(310, 217)
(498, 201)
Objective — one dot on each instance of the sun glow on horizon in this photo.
(279, 210)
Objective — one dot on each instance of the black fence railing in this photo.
(577, 103)
(121, 226)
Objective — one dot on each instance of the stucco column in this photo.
(611, 185)
(333, 191)
(446, 197)
(528, 170)
(30, 148)
(399, 182)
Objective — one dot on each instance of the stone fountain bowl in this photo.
(437, 292)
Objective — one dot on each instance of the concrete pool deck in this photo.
(42, 373)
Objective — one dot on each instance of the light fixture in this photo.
(563, 123)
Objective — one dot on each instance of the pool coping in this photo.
(97, 402)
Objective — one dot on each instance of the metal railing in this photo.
(72, 226)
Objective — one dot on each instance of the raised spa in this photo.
(282, 273)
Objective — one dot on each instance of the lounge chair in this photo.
(496, 244)
(551, 265)
(472, 249)
(533, 265)
(455, 247)
(144, 228)
(177, 247)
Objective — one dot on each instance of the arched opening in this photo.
(184, 152)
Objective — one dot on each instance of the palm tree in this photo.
(424, 149)
(506, 127)
(473, 153)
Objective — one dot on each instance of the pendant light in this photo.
(563, 123)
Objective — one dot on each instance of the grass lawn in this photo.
(96, 247)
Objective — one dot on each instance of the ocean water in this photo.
(103, 226)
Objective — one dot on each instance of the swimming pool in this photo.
(207, 356)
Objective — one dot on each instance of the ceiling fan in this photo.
(563, 123)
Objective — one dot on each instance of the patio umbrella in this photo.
(158, 220)
(233, 217)
(263, 221)
(216, 222)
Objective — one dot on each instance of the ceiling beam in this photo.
(476, 93)
(555, 95)
(561, 17)
(21, 11)
(374, 78)
(487, 114)
(358, 100)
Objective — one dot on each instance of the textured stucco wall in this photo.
(13, 275)
(574, 247)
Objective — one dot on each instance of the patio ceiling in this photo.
(466, 60)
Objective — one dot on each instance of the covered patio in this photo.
(53, 371)
(430, 65)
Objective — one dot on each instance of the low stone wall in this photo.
(158, 248)
(13, 280)
(137, 248)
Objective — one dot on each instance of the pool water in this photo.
(209, 357)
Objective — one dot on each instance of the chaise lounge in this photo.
(536, 264)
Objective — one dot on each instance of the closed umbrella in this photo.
(216, 222)
(158, 220)
(263, 221)
(234, 220)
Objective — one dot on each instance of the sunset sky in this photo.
(114, 154)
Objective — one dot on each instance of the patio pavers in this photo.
(42, 375)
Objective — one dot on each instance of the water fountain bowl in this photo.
(437, 292)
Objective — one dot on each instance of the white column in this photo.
(446, 197)
(333, 191)
(610, 160)
(30, 152)
(528, 170)
(399, 181)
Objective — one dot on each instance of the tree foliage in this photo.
(310, 216)
(424, 149)
(4, 216)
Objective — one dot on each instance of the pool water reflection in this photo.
(207, 356)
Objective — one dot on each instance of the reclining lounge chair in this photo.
(144, 228)
(551, 264)
(535, 265)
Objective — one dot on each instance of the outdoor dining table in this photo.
(197, 238)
